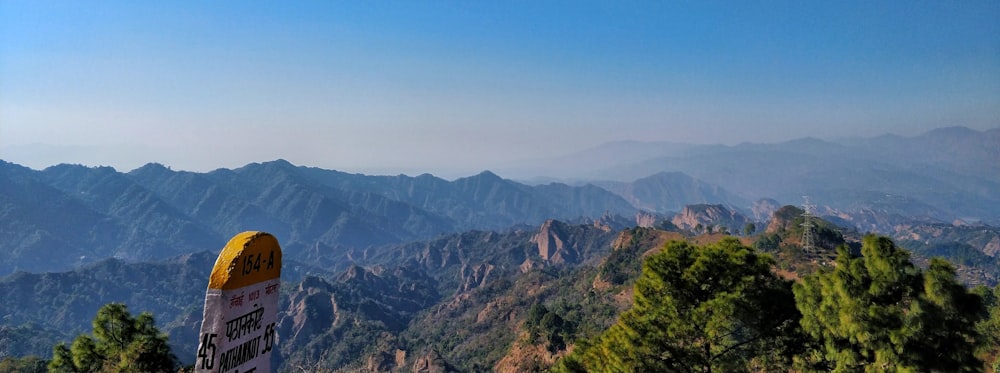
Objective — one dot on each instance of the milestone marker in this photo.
(241, 305)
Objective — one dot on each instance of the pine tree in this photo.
(699, 309)
(62, 360)
(989, 327)
(879, 313)
(120, 343)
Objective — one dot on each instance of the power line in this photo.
(808, 240)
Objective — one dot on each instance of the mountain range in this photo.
(338, 318)
(944, 174)
(404, 273)
(460, 302)
(68, 215)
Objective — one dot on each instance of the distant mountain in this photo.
(69, 215)
(199, 196)
(153, 223)
(483, 201)
(941, 175)
(277, 198)
(961, 150)
(586, 164)
(401, 273)
(59, 219)
(665, 192)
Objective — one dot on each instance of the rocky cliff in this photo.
(710, 218)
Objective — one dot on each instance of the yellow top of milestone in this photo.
(248, 258)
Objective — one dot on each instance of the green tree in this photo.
(544, 325)
(62, 360)
(749, 229)
(114, 328)
(768, 242)
(879, 313)
(698, 309)
(84, 355)
(29, 364)
(120, 343)
(989, 327)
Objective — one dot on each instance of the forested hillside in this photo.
(382, 292)
(520, 300)
(79, 215)
(499, 186)
(69, 215)
(396, 273)
(720, 307)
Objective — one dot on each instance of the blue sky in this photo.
(460, 86)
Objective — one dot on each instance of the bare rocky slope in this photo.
(511, 300)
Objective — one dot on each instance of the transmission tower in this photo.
(808, 242)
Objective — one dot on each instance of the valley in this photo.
(401, 273)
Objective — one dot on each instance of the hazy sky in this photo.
(458, 86)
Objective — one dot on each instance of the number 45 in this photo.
(207, 351)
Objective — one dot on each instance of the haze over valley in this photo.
(510, 187)
(452, 237)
